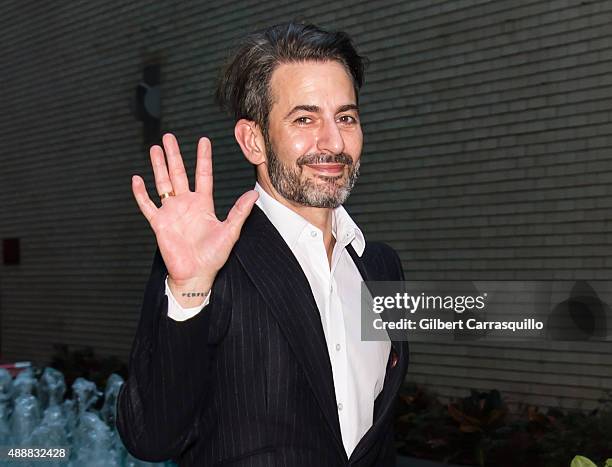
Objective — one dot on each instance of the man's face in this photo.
(314, 135)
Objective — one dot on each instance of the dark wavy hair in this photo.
(244, 85)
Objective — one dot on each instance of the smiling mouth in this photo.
(327, 169)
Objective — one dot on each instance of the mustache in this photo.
(341, 158)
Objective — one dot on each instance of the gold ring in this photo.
(167, 194)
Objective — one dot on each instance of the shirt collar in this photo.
(291, 225)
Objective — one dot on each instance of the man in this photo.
(248, 349)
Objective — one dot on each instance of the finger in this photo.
(147, 207)
(204, 173)
(162, 181)
(240, 211)
(176, 169)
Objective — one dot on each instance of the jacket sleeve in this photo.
(158, 405)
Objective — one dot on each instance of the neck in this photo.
(319, 217)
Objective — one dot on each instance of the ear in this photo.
(251, 141)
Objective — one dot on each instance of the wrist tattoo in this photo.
(194, 294)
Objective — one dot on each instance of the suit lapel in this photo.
(394, 376)
(279, 278)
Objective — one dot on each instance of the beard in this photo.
(324, 192)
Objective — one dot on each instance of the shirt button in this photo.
(337, 346)
(313, 233)
(339, 405)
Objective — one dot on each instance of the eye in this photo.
(303, 120)
(348, 119)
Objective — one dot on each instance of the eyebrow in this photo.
(317, 109)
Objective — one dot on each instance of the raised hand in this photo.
(193, 242)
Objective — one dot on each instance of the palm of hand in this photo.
(190, 237)
(193, 242)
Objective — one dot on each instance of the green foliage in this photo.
(580, 461)
(479, 430)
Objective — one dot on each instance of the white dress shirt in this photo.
(358, 367)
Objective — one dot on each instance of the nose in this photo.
(329, 138)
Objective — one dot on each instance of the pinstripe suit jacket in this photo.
(248, 382)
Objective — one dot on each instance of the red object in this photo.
(15, 368)
(393, 358)
(10, 250)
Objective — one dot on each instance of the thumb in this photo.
(240, 211)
